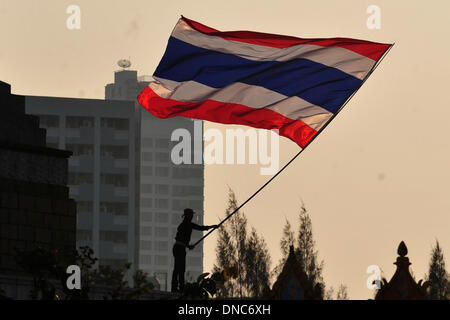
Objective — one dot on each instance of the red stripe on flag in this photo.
(369, 49)
(227, 113)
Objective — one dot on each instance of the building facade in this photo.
(130, 195)
(35, 208)
(102, 170)
(165, 188)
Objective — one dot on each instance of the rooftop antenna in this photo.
(124, 63)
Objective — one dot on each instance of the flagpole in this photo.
(295, 156)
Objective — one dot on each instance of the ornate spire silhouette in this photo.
(402, 285)
(292, 283)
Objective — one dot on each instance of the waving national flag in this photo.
(256, 79)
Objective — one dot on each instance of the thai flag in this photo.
(256, 79)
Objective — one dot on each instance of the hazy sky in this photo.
(377, 175)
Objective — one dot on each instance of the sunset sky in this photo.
(377, 175)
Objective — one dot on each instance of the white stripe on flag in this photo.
(255, 97)
(340, 58)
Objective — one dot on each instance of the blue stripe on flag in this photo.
(314, 82)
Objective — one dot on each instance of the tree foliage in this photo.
(438, 276)
(257, 263)
(241, 254)
(49, 266)
(342, 293)
(287, 240)
(305, 251)
(205, 287)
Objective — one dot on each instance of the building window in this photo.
(146, 245)
(146, 259)
(145, 170)
(161, 246)
(114, 236)
(147, 142)
(84, 235)
(194, 261)
(146, 231)
(161, 203)
(115, 123)
(178, 204)
(161, 217)
(147, 156)
(84, 206)
(162, 189)
(116, 152)
(48, 121)
(162, 157)
(76, 178)
(81, 149)
(161, 260)
(161, 232)
(184, 191)
(177, 173)
(196, 204)
(147, 216)
(186, 173)
(146, 188)
(162, 143)
(116, 208)
(161, 171)
(79, 122)
(118, 180)
(147, 202)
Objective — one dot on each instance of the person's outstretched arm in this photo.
(198, 227)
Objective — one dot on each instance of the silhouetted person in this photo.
(179, 248)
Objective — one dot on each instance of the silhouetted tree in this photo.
(245, 259)
(49, 266)
(225, 255)
(230, 250)
(304, 246)
(257, 266)
(287, 240)
(142, 285)
(438, 276)
(342, 293)
(112, 277)
(329, 293)
(308, 255)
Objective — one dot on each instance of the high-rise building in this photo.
(165, 188)
(102, 171)
(130, 195)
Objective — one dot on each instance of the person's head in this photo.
(188, 214)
